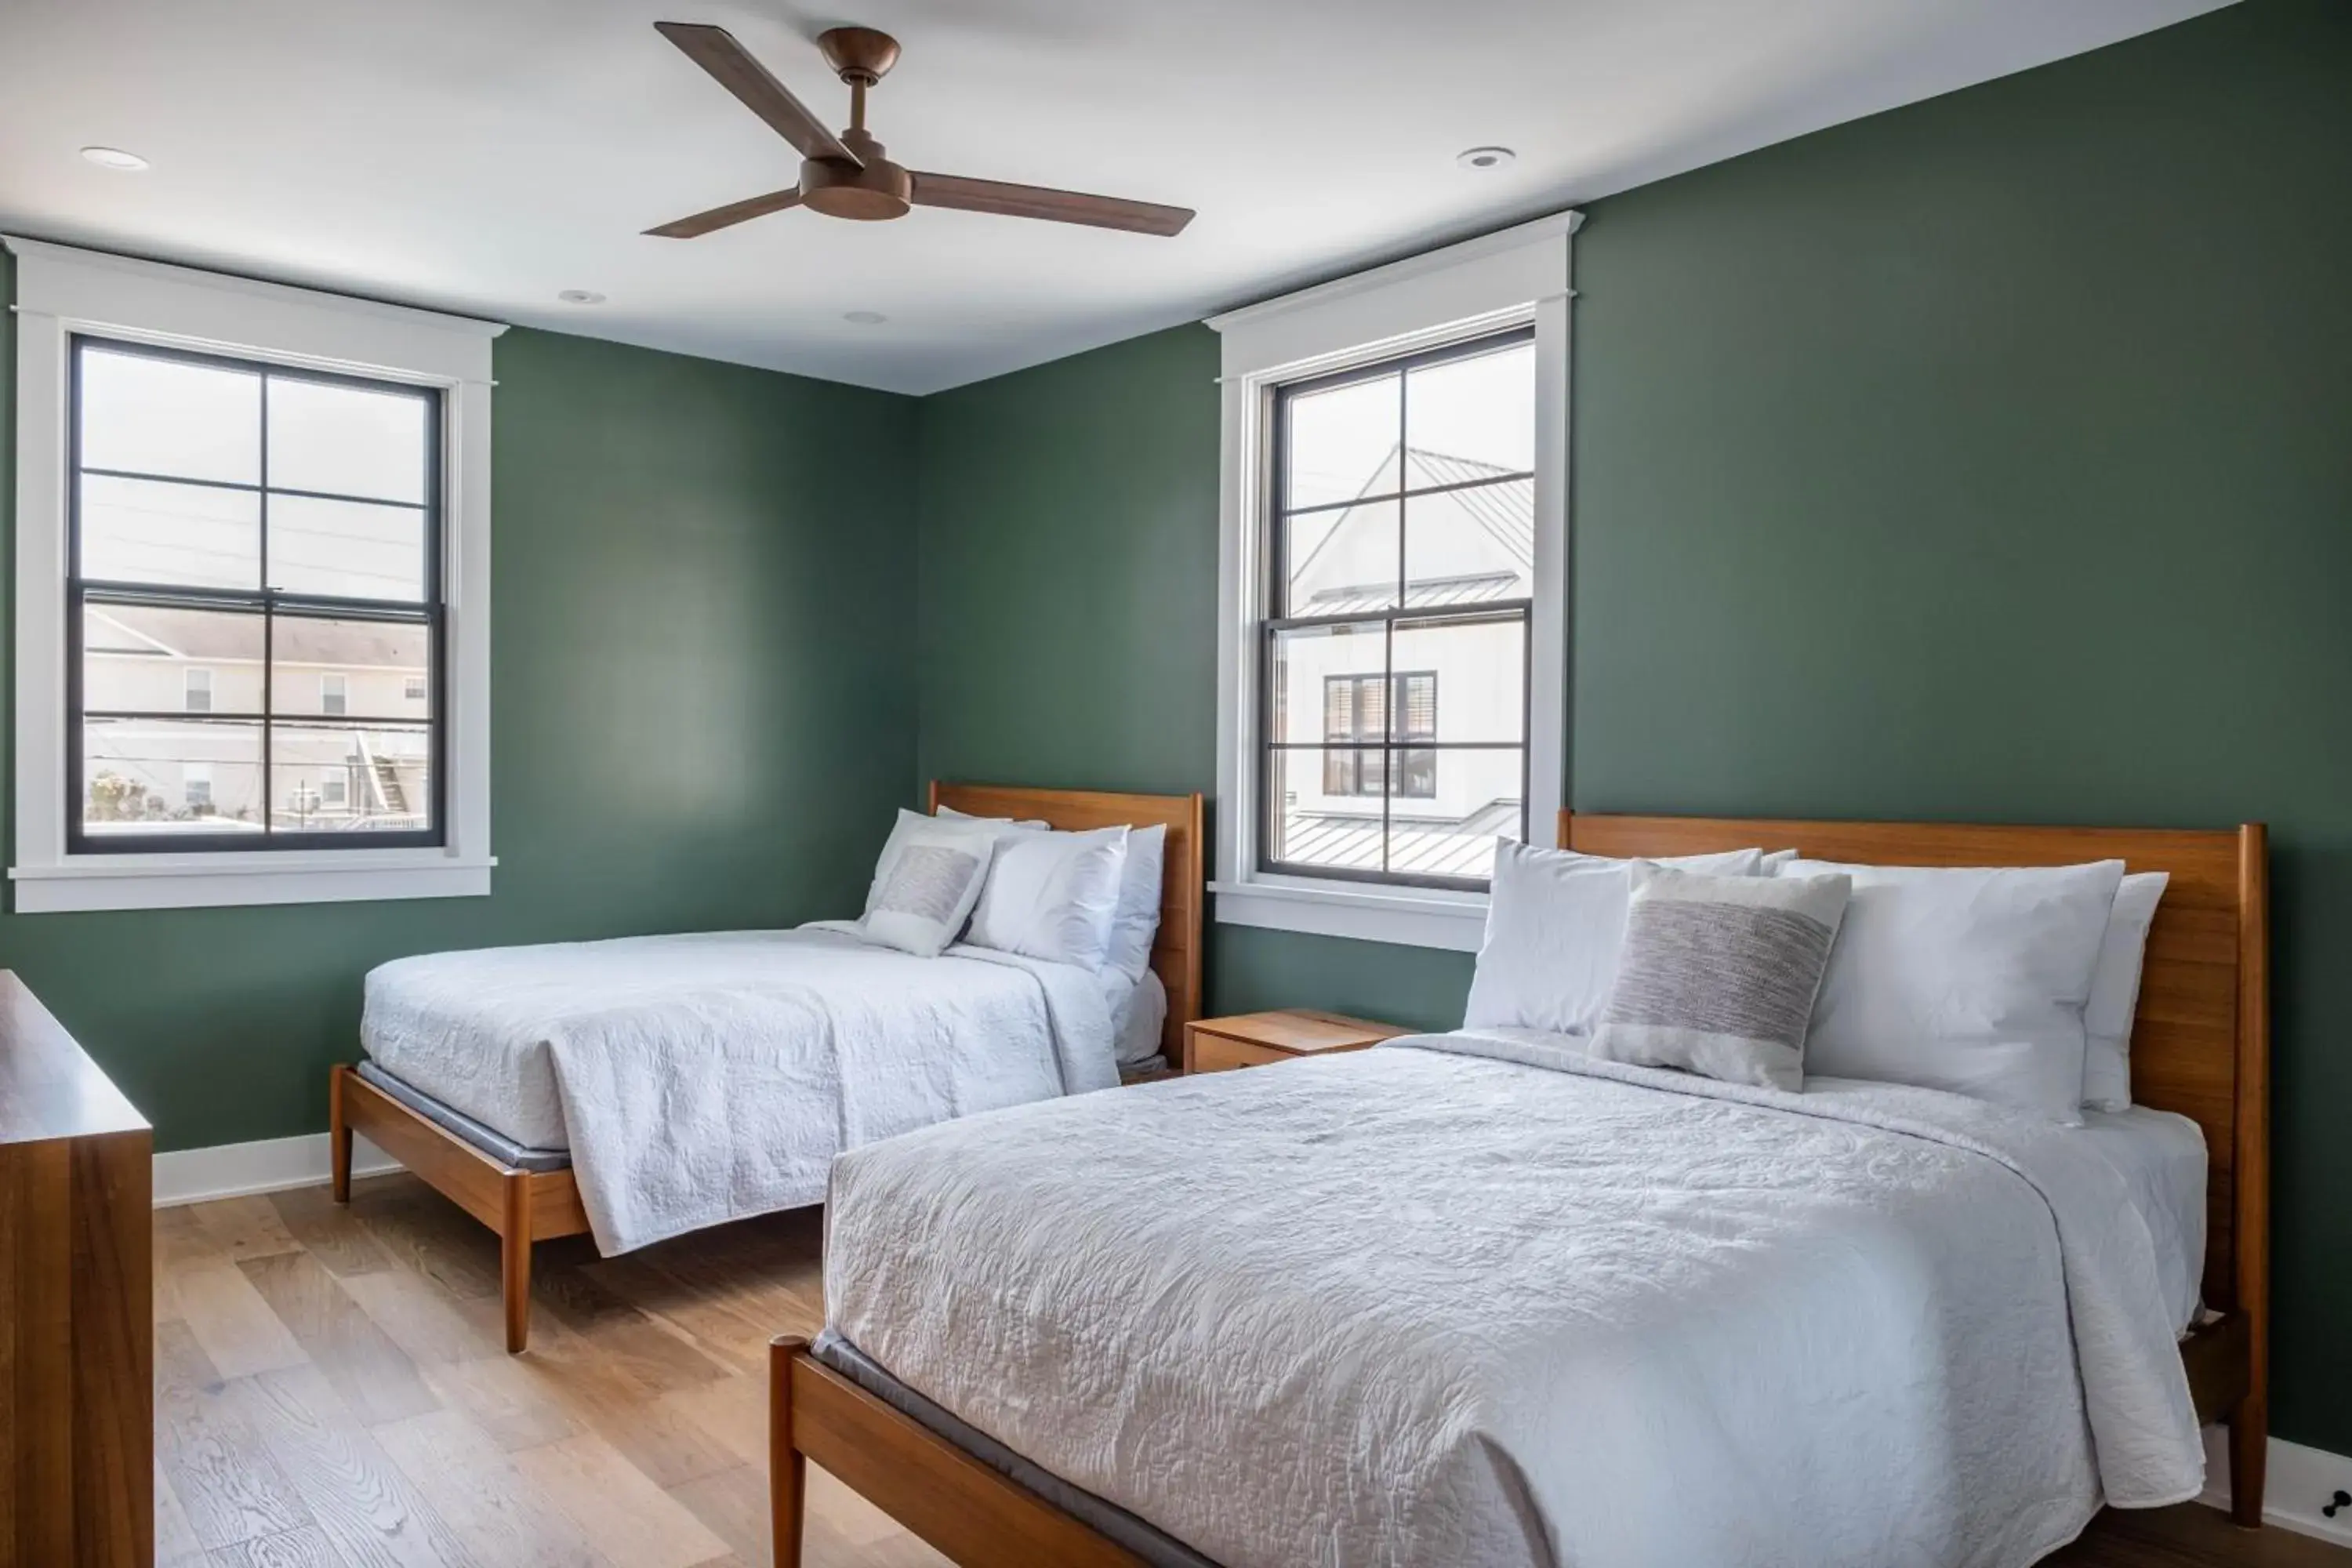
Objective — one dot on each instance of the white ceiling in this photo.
(481, 155)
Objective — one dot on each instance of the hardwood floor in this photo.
(332, 1391)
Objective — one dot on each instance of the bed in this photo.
(538, 1088)
(1206, 1398)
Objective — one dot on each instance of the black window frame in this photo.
(431, 611)
(1353, 757)
(1274, 616)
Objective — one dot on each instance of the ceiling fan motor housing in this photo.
(881, 190)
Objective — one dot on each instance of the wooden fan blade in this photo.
(733, 67)
(1038, 200)
(729, 215)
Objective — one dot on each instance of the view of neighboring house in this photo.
(1467, 539)
(186, 749)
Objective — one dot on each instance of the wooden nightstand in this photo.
(1254, 1040)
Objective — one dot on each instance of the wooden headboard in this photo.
(2201, 1040)
(1176, 951)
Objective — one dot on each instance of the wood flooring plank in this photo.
(647, 1352)
(730, 1327)
(362, 1503)
(224, 1479)
(607, 1396)
(329, 1232)
(429, 1234)
(374, 1375)
(512, 1400)
(304, 1548)
(504, 1519)
(424, 1320)
(632, 1521)
(2190, 1535)
(733, 1410)
(243, 1227)
(176, 1546)
(660, 1439)
(239, 1333)
(733, 1504)
(181, 1240)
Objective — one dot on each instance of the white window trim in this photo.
(1512, 278)
(61, 290)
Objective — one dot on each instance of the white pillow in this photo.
(1138, 1016)
(2115, 993)
(930, 878)
(949, 813)
(1051, 895)
(1555, 922)
(916, 822)
(1136, 920)
(1967, 979)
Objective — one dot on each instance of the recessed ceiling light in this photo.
(580, 297)
(1486, 157)
(864, 318)
(115, 158)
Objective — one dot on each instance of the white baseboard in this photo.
(269, 1165)
(2299, 1483)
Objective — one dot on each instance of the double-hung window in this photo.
(266, 523)
(1392, 660)
(1400, 536)
(252, 592)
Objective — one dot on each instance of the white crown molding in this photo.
(253, 288)
(1557, 225)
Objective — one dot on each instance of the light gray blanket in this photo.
(1482, 1301)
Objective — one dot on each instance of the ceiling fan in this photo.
(846, 175)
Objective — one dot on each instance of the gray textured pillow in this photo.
(1718, 973)
(925, 891)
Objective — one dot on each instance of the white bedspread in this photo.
(706, 1077)
(1436, 1306)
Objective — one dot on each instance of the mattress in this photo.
(699, 1078)
(1460, 1301)
(488, 1139)
(484, 1053)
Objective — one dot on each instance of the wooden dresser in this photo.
(77, 1331)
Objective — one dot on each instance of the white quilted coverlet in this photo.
(706, 1077)
(1486, 1302)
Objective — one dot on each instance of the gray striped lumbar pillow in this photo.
(1718, 973)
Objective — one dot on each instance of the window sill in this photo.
(211, 881)
(1407, 917)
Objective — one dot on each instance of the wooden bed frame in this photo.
(526, 1206)
(2200, 1047)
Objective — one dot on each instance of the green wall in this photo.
(1992, 457)
(703, 714)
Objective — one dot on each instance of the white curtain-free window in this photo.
(1394, 479)
(133, 518)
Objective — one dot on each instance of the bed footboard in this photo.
(962, 1508)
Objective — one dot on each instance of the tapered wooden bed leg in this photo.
(787, 1471)
(514, 1260)
(339, 1138)
(2249, 1456)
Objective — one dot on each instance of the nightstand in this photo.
(1254, 1040)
